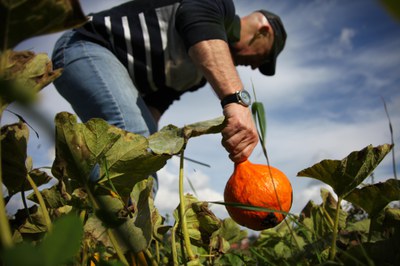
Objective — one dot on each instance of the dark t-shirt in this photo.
(151, 39)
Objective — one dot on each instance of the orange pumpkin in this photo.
(255, 185)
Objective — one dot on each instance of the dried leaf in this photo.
(14, 139)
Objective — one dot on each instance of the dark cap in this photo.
(268, 68)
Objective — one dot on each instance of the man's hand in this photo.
(239, 137)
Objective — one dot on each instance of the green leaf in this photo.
(169, 140)
(345, 175)
(57, 248)
(134, 229)
(126, 157)
(228, 234)
(258, 111)
(212, 126)
(373, 198)
(14, 139)
(319, 219)
(64, 242)
(23, 254)
(23, 19)
(200, 221)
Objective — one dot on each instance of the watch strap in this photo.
(232, 98)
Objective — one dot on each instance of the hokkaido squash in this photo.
(258, 185)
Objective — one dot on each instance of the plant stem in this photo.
(173, 245)
(182, 217)
(41, 203)
(6, 237)
(332, 253)
(110, 233)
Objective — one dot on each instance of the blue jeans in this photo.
(97, 85)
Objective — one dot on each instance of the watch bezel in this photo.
(242, 99)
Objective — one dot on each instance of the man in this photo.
(129, 63)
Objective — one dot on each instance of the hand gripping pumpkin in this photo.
(255, 184)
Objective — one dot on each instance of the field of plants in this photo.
(113, 221)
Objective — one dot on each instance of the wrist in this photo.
(240, 97)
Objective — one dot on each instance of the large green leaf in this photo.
(123, 157)
(345, 175)
(25, 74)
(23, 19)
(134, 229)
(373, 198)
(14, 139)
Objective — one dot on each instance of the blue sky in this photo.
(325, 101)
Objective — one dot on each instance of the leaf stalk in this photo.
(182, 217)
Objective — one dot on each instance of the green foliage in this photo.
(345, 175)
(58, 247)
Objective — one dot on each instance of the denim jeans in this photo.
(97, 85)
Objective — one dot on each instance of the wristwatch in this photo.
(242, 97)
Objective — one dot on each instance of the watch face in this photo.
(245, 97)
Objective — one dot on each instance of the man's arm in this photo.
(213, 57)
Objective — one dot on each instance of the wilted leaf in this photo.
(205, 127)
(169, 140)
(39, 177)
(345, 175)
(25, 74)
(14, 139)
(23, 19)
(30, 225)
(53, 197)
(373, 198)
(123, 156)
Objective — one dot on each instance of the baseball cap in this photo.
(268, 68)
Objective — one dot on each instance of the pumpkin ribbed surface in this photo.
(255, 184)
